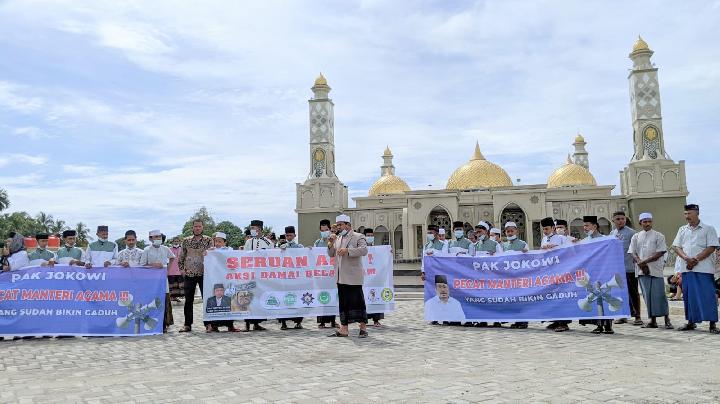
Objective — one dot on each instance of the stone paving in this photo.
(407, 361)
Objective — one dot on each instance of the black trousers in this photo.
(190, 283)
(351, 304)
(634, 293)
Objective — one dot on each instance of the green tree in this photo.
(19, 222)
(45, 221)
(83, 235)
(4, 200)
(235, 234)
(58, 226)
(141, 244)
(208, 223)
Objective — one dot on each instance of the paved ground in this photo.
(407, 361)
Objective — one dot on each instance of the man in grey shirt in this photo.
(625, 233)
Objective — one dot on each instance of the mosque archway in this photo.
(397, 244)
(382, 235)
(604, 226)
(513, 213)
(440, 217)
(576, 228)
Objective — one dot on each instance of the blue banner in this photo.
(581, 281)
(71, 300)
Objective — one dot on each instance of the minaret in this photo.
(387, 168)
(580, 157)
(322, 195)
(652, 181)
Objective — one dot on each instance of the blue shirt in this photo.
(625, 235)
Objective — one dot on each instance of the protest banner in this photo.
(293, 282)
(71, 300)
(581, 281)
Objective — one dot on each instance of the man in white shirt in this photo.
(551, 240)
(442, 307)
(695, 244)
(158, 256)
(647, 249)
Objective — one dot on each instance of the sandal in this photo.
(298, 326)
(610, 331)
(377, 325)
(284, 327)
(258, 327)
(321, 326)
(363, 334)
(650, 325)
(714, 330)
(562, 328)
(638, 322)
(597, 330)
(687, 327)
(338, 334)
(185, 329)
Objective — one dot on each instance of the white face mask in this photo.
(176, 245)
(370, 239)
(430, 237)
(325, 234)
(511, 238)
(104, 240)
(482, 237)
(157, 243)
(342, 233)
(459, 233)
(589, 233)
(253, 232)
(560, 231)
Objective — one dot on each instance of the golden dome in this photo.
(478, 173)
(570, 175)
(321, 81)
(579, 138)
(640, 45)
(387, 185)
(387, 151)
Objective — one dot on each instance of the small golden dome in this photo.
(570, 175)
(640, 45)
(579, 138)
(321, 81)
(478, 173)
(388, 185)
(387, 151)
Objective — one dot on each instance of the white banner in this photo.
(295, 282)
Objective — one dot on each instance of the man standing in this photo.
(590, 227)
(647, 249)
(432, 246)
(192, 267)
(442, 237)
(561, 228)
(695, 243)
(158, 256)
(175, 279)
(496, 235)
(290, 242)
(348, 248)
(41, 252)
(549, 241)
(485, 244)
(256, 242)
(220, 243)
(68, 252)
(460, 245)
(513, 243)
(322, 243)
(130, 256)
(101, 252)
(624, 234)
(370, 239)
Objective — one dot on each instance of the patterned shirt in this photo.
(131, 256)
(192, 255)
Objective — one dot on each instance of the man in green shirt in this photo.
(460, 243)
(513, 243)
(101, 252)
(322, 242)
(68, 250)
(41, 252)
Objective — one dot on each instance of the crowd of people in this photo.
(646, 251)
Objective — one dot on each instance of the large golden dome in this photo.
(388, 185)
(570, 175)
(478, 173)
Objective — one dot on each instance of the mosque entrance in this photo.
(440, 218)
(513, 213)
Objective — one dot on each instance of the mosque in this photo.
(482, 190)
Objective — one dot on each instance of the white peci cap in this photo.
(510, 224)
(220, 234)
(645, 216)
(342, 218)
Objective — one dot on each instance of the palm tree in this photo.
(83, 234)
(4, 200)
(45, 221)
(58, 226)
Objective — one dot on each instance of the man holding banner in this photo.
(101, 253)
(348, 247)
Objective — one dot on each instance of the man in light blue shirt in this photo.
(624, 234)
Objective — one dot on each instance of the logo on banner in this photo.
(272, 301)
(290, 299)
(387, 294)
(308, 298)
(324, 297)
(372, 295)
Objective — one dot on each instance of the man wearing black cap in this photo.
(624, 233)
(695, 244)
(590, 227)
(41, 252)
(561, 228)
(461, 244)
(68, 250)
(551, 239)
(443, 307)
(101, 252)
(323, 242)
(290, 242)
(256, 242)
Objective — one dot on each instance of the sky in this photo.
(135, 114)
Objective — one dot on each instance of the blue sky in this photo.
(135, 114)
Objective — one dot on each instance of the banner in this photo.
(295, 282)
(71, 300)
(581, 281)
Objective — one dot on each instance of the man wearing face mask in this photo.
(484, 245)
(496, 235)
(159, 256)
(590, 227)
(513, 243)
(551, 239)
(130, 256)
(561, 228)
(460, 245)
(348, 248)
(322, 243)
(624, 233)
(41, 252)
(101, 252)
(256, 242)
(68, 253)
(290, 242)
(433, 246)
(370, 238)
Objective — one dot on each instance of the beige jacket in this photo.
(349, 268)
